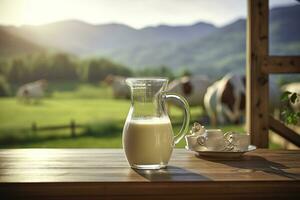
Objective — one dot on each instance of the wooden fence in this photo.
(72, 126)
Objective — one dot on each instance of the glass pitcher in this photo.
(148, 138)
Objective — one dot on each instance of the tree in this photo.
(99, 69)
(63, 68)
(19, 72)
(4, 87)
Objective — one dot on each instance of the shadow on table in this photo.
(250, 163)
(171, 173)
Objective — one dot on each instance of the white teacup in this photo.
(213, 140)
(240, 142)
(191, 141)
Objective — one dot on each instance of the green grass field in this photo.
(89, 105)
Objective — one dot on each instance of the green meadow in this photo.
(92, 106)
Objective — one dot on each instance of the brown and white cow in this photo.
(192, 88)
(224, 100)
(118, 85)
(32, 92)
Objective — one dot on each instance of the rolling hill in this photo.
(201, 47)
(222, 50)
(12, 45)
(85, 39)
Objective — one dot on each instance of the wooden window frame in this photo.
(258, 68)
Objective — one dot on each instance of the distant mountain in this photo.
(201, 47)
(217, 53)
(85, 39)
(14, 45)
(285, 30)
(222, 50)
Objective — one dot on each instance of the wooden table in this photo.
(104, 174)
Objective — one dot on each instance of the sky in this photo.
(135, 13)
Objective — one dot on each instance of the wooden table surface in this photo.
(105, 174)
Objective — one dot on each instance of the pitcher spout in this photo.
(146, 96)
(145, 89)
(159, 82)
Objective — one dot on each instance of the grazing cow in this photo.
(192, 88)
(224, 100)
(293, 87)
(119, 87)
(210, 102)
(32, 92)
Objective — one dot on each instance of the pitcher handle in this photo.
(186, 119)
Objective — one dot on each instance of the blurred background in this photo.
(63, 65)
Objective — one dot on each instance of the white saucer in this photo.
(222, 154)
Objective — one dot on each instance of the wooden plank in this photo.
(107, 165)
(59, 127)
(284, 131)
(257, 81)
(281, 64)
(158, 190)
(104, 173)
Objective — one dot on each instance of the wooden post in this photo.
(73, 128)
(282, 64)
(34, 127)
(285, 132)
(257, 81)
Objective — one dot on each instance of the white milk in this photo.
(148, 141)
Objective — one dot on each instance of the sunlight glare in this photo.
(38, 12)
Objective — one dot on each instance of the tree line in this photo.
(65, 67)
(58, 67)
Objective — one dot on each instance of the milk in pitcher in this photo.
(148, 141)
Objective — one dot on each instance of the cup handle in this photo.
(186, 119)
